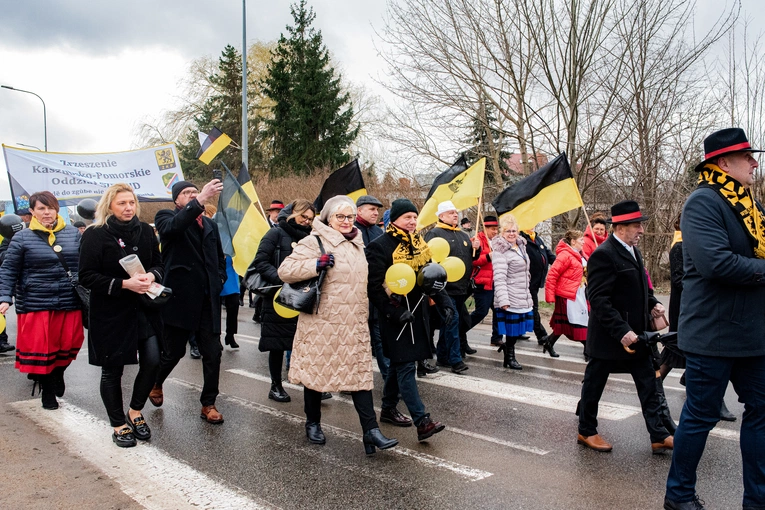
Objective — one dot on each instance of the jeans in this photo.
(382, 362)
(401, 379)
(484, 301)
(174, 349)
(706, 379)
(448, 347)
(111, 382)
(362, 401)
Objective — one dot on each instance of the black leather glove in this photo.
(402, 316)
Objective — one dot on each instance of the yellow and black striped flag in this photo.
(548, 192)
(460, 184)
(212, 144)
(343, 181)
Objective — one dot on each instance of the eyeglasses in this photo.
(343, 218)
(189, 192)
(306, 218)
(511, 231)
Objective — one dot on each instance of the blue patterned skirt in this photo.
(514, 324)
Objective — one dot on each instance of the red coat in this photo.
(565, 274)
(482, 267)
(589, 244)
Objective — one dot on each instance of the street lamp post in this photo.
(45, 113)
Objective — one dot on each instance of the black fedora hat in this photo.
(626, 211)
(725, 141)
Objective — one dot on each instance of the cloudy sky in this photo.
(102, 67)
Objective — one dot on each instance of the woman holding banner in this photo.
(39, 268)
(331, 350)
(120, 325)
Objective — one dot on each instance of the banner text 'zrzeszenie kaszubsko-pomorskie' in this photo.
(72, 177)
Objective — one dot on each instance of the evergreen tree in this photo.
(223, 110)
(311, 124)
(480, 147)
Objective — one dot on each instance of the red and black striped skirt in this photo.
(48, 339)
(561, 326)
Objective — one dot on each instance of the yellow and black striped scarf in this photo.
(412, 249)
(740, 199)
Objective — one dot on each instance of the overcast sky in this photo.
(102, 67)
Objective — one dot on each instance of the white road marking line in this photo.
(158, 481)
(467, 472)
(733, 435)
(339, 398)
(8, 362)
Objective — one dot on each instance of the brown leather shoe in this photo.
(665, 446)
(595, 442)
(211, 414)
(156, 396)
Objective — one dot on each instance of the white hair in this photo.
(334, 205)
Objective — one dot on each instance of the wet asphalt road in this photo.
(510, 440)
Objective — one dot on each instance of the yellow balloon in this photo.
(282, 310)
(455, 268)
(439, 249)
(400, 278)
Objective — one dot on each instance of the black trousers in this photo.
(539, 329)
(174, 349)
(111, 382)
(231, 302)
(275, 360)
(595, 379)
(362, 401)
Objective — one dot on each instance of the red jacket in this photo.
(565, 274)
(482, 269)
(589, 244)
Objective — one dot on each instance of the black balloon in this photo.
(10, 224)
(432, 278)
(87, 208)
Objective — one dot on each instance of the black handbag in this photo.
(303, 296)
(255, 283)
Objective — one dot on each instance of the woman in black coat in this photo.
(120, 325)
(277, 332)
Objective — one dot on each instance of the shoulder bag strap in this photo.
(59, 254)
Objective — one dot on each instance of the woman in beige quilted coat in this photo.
(331, 350)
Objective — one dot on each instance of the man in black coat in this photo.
(621, 305)
(195, 269)
(722, 325)
(540, 258)
(452, 338)
(404, 325)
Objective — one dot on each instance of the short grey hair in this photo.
(335, 204)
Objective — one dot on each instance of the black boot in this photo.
(59, 386)
(314, 433)
(666, 417)
(548, 346)
(277, 392)
(375, 439)
(466, 349)
(48, 392)
(510, 361)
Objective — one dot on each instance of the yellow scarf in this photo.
(678, 238)
(60, 224)
(446, 226)
(532, 235)
(741, 201)
(412, 249)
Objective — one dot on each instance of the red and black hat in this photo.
(276, 205)
(722, 142)
(626, 211)
(490, 221)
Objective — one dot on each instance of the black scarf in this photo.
(295, 230)
(127, 231)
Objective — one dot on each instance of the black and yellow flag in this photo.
(343, 181)
(460, 184)
(548, 192)
(211, 144)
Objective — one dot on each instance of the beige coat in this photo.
(331, 351)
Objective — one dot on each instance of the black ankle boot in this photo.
(664, 414)
(277, 392)
(374, 438)
(548, 346)
(725, 414)
(59, 387)
(314, 433)
(510, 361)
(48, 392)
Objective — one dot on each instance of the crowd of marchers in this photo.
(150, 290)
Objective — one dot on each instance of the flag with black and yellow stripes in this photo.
(460, 184)
(343, 181)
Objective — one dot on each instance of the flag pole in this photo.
(245, 153)
(586, 217)
(479, 218)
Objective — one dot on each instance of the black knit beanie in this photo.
(180, 186)
(401, 206)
